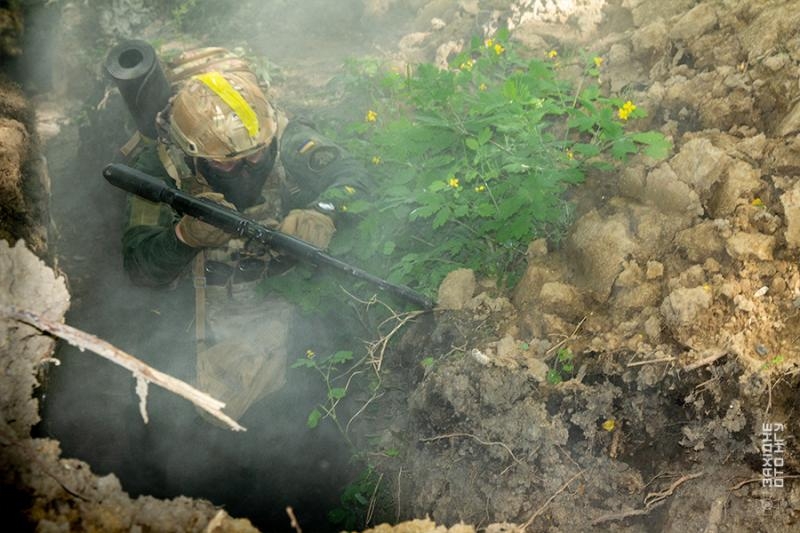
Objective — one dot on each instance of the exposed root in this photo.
(541, 509)
(470, 435)
(651, 501)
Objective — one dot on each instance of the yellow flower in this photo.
(570, 154)
(482, 87)
(757, 202)
(626, 109)
(349, 190)
(499, 49)
(343, 208)
(467, 65)
(480, 188)
(598, 61)
(310, 354)
(552, 54)
(453, 182)
(609, 424)
(489, 43)
(372, 116)
(376, 160)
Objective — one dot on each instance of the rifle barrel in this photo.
(154, 189)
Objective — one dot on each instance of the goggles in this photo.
(229, 166)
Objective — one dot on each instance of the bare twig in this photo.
(652, 361)
(541, 509)
(470, 435)
(142, 372)
(293, 520)
(383, 342)
(399, 474)
(373, 500)
(567, 338)
(705, 361)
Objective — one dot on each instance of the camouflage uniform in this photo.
(243, 355)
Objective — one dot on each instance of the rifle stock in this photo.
(156, 190)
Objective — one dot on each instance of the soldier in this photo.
(220, 138)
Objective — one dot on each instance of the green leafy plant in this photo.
(563, 367)
(472, 162)
(330, 368)
(775, 361)
(357, 501)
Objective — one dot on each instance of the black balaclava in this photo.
(242, 185)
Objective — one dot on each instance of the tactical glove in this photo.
(199, 234)
(310, 226)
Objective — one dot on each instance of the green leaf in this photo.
(304, 363)
(388, 247)
(341, 357)
(442, 217)
(427, 362)
(472, 143)
(484, 136)
(392, 452)
(338, 515)
(587, 150)
(313, 418)
(658, 146)
(622, 148)
(553, 377)
(485, 210)
(337, 393)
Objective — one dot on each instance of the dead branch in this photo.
(142, 372)
(470, 435)
(563, 341)
(373, 500)
(705, 361)
(651, 361)
(541, 509)
(293, 520)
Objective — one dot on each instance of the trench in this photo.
(89, 405)
(445, 434)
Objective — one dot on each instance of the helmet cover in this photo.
(221, 116)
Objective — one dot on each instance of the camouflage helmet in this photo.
(221, 116)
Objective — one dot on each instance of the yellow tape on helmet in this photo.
(222, 88)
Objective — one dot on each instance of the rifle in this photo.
(231, 221)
